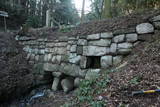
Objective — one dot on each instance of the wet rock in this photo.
(67, 84)
(144, 28)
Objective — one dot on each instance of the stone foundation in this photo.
(71, 59)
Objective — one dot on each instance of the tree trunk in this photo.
(82, 13)
(107, 9)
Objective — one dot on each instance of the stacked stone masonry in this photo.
(71, 59)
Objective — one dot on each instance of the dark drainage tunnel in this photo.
(93, 62)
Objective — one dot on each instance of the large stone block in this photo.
(47, 57)
(125, 45)
(77, 82)
(67, 84)
(94, 50)
(101, 42)
(82, 42)
(57, 74)
(73, 48)
(107, 35)
(56, 84)
(131, 37)
(51, 67)
(124, 31)
(106, 61)
(144, 28)
(74, 59)
(119, 38)
(70, 69)
(117, 60)
(83, 62)
(113, 48)
(57, 59)
(79, 50)
(61, 51)
(63, 38)
(92, 74)
(93, 37)
(82, 73)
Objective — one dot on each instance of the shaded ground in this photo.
(15, 73)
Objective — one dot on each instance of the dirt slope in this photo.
(15, 73)
(142, 72)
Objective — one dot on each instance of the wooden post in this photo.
(5, 24)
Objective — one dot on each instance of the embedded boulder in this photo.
(144, 28)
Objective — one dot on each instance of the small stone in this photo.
(51, 67)
(73, 48)
(144, 28)
(77, 82)
(113, 48)
(57, 74)
(156, 18)
(107, 35)
(101, 42)
(56, 84)
(93, 37)
(106, 61)
(79, 50)
(67, 84)
(131, 37)
(124, 51)
(125, 45)
(75, 60)
(157, 25)
(118, 38)
(82, 42)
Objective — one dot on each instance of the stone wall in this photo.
(71, 59)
